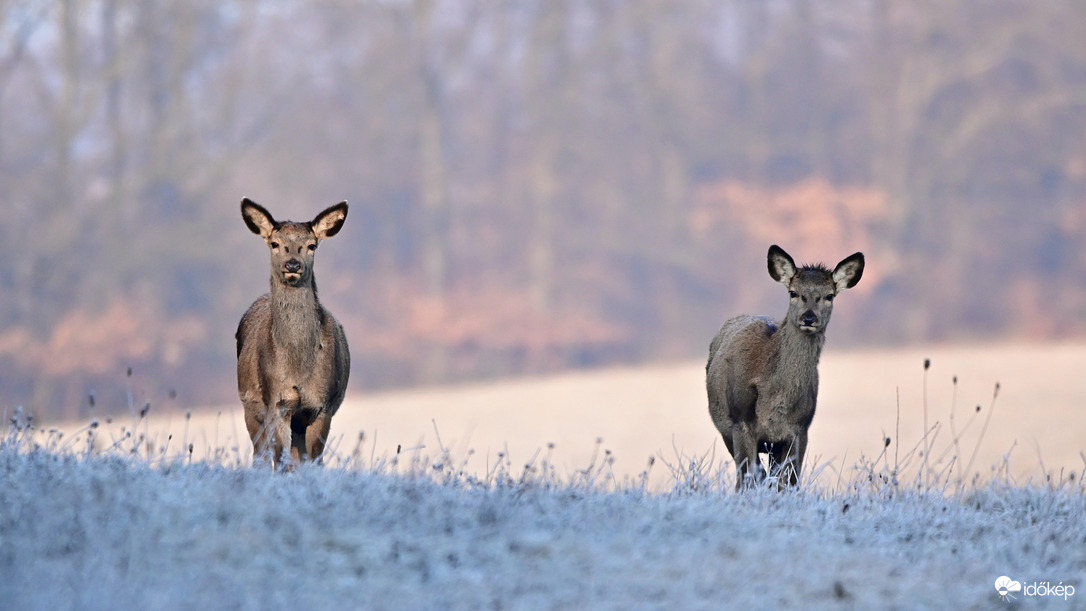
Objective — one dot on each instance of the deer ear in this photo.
(328, 223)
(257, 219)
(781, 265)
(848, 272)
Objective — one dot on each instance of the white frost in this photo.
(113, 532)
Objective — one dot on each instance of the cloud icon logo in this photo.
(1005, 586)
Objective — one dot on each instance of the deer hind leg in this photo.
(316, 435)
(787, 461)
(298, 453)
(309, 432)
(748, 468)
(300, 424)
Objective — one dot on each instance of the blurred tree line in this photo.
(534, 184)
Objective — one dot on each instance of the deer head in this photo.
(812, 288)
(293, 245)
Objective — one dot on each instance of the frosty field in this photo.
(114, 532)
(477, 511)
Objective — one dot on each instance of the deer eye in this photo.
(793, 294)
(830, 297)
(312, 247)
(274, 244)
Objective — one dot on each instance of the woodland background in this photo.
(535, 185)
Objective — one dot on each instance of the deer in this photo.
(293, 359)
(762, 374)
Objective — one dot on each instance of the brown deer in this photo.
(293, 360)
(762, 375)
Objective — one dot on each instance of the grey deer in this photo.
(293, 360)
(762, 374)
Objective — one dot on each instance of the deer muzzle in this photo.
(292, 271)
(808, 321)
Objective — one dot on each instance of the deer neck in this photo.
(296, 322)
(795, 354)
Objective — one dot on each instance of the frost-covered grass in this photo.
(113, 526)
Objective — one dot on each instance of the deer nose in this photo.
(293, 266)
(808, 319)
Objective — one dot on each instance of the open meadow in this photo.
(501, 496)
(1037, 423)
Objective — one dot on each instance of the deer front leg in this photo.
(269, 432)
(255, 423)
(285, 410)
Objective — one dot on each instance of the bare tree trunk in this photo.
(756, 127)
(66, 119)
(433, 190)
(547, 63)
(667, 93)
(432, 177)
(541, 255)
(432, 187)
(114, 119)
